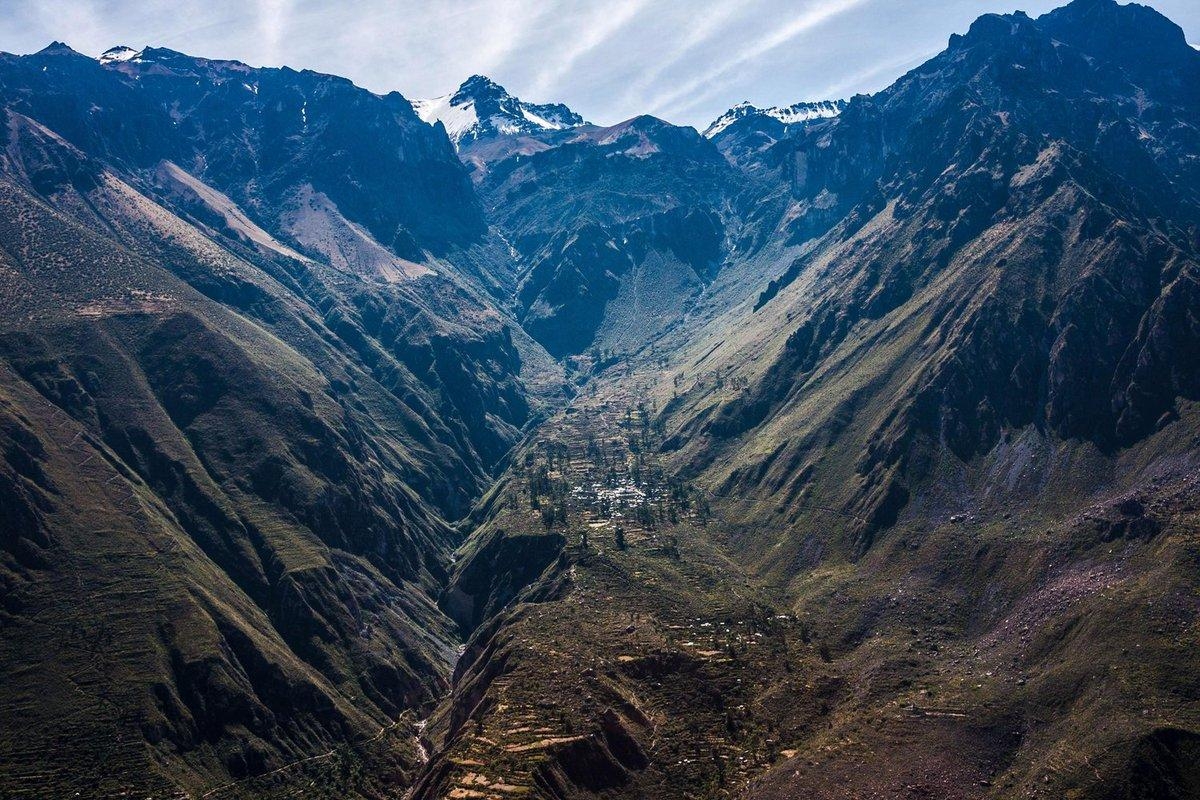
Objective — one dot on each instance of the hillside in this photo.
(620, 228)
(232, 440)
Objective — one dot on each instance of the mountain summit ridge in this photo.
(804, 111)
(482, 109)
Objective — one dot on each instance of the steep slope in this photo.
(1018, 249)
(192, 524)
(956, 429)
(258, 135)
(621, 227)
(231, 443)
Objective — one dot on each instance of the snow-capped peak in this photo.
(788, 115)
(119, 53)
(482, 109)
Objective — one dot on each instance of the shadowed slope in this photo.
(228, 463)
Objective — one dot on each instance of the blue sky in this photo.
(684, 60)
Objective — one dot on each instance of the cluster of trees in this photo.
(633, 486)
(547, 495)
(603, 358)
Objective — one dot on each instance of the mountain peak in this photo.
(482, 109)
(786, 115)
(994, 27)
(1109, 29)
(57, 48)
(480, 84)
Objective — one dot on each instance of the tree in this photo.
(619, 537)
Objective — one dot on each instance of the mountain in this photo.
(621, 227)
(1002, 199)
(481, 109)
(789, 115)
(245, 130)
(844, 456)
(249, 374)
(940, 410)
(973, 384)
(745, 134)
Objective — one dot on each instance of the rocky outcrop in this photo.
(621, 227)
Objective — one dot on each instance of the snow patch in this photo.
(459, 120)
(788, 115)
(481, 108)
(542, 122)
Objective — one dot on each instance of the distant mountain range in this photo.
(481, 109)
(359, 447)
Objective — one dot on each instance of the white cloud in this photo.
(602, 22)
(716, 78)
(273, 19)
(706, 25)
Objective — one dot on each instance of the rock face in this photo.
(621, 228)
(257, 135)
(745, 132)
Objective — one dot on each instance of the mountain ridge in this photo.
(786, 115)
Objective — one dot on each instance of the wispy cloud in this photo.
(703, 27)
(604, 21)
(272, 26)
(716, 78)
(504, 32)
